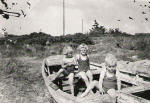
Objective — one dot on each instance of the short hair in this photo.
(67, 49)
(110, 59)
(81, 46)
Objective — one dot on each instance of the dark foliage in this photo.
(98, 30)
(41, 39)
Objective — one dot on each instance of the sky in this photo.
(46, 16)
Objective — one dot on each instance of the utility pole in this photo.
(63, 17)
(82, 26)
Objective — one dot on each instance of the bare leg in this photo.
(89, 88)
(84, 77)
(113, 95)
(58, 74)
(52, 77)
(89, 75)
(71, 77)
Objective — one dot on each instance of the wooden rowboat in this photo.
(60, 90)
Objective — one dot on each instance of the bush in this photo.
(41, 39)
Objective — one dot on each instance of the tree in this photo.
(96, 25)
(97, 30)
(114, 31)
(117, 31)
(111, 31)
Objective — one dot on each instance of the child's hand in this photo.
(118, 94)
(64, 66)
(101, 90)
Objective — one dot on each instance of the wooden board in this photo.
(135, 89)
(95, 98)
(132, 79)
(141, 67)
(128, 98)
(60, 96)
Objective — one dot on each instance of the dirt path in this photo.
(27, 87)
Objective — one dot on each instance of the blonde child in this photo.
(109, 80)
(83, 64)
(68, 66)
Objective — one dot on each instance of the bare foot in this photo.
(82, 95)
(52, 77)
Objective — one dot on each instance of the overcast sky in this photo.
(46, 16)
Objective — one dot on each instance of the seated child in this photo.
(83, 64)
(68, 66)
(109, 79)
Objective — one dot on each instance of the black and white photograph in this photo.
(74, 51)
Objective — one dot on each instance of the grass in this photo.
(125, 45)
(22, 81)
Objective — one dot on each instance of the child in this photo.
(84, 65)
(68, 66)
(109, 79)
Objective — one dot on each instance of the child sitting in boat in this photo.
(68, 66)
(109, 79)
(83, 64)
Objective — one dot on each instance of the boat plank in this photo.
(55, 95)
(133, 79)
(95, 98)
(60, 96)
(129, 98)
(136, 89)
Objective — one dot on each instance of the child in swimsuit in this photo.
(68, 66)
(109, 80)
(84, 65)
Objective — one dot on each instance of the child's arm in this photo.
(76, 59)
(64, 64)
(118, 79)
(102, 74)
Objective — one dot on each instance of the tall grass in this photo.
(136, 44)
(22, 81)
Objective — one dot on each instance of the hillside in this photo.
(124, 47)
